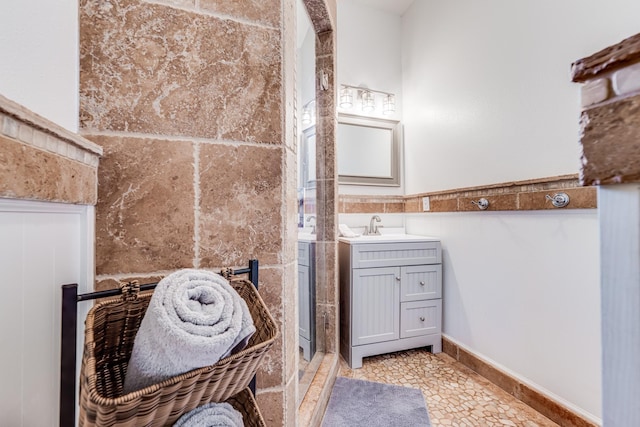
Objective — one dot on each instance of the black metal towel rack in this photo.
(70, 300)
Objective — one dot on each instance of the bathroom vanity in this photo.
(390, 295)
(306, 294)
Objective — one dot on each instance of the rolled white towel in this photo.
(194, 319)
(211, 415)
(345, 231)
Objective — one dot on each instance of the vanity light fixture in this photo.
(367, 99)
(389, 104)
(346, 97)
(307, 109)
(306, 116)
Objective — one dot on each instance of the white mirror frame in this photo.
(392, 156)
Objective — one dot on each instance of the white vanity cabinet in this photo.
(390, 296)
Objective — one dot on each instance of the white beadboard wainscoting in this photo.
(620, 252)
(42, 246)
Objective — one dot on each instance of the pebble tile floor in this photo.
(455, 395)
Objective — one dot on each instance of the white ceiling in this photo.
(397, 7)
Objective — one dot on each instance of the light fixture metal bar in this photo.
(309, 103)
(367, 89)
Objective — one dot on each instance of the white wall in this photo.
(39, 57)
(522, 290)
(369, 54)
(306, 93)
(488, 99)
(306, 58)
(487, 91)
(42, 246)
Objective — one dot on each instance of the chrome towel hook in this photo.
(482, 204)
(559, 200)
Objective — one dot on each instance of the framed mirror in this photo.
(368, 150)
(308, 163)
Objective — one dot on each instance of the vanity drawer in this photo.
(420, 318)
(395, 254)
(420, 282)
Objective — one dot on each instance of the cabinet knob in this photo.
(421, 283)
(397, 279)
(422, 318)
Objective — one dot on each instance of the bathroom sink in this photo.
(390, 235)
(306, 237)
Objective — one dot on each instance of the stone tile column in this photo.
(188, 100)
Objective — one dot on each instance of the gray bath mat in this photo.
(358, 403)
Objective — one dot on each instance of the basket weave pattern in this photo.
(244, 403)
(110, 331)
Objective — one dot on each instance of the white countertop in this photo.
(387, 238)
(389, 235)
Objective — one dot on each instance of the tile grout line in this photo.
(197, 9)
(88, 133)
(196, 207)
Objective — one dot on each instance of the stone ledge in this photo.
(609, 123)
(29, 127)
(613, 57)
(43, 161)
(32, 174)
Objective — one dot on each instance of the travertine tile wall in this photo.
(508, 196)
(610, 123)
(326, 193)
(193, 104)
(371, 204)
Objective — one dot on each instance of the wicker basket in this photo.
(246, 405)
(111, 327)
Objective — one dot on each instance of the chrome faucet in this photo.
(373, 228)
(313, 226)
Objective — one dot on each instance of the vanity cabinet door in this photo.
(304, 302)
(420, 282)
(304, 257)
(376, 305)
